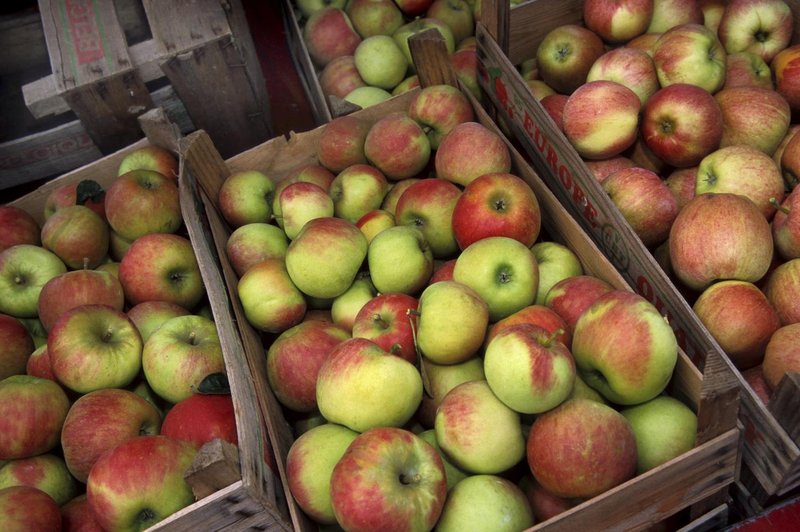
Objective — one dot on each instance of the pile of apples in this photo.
(685, 111)
(105, 340)
(361, 46)
(443, 364)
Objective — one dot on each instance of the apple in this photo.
(117, 246)
(439, 108)
(777, 156)
(644, 157)
(375, 221)
(309, 466)
(617, 22)
(17, 345)
(77, 235)
(161, 267)
(602, 168)
(150, 315)
(374, 17)
(439, 379)
(200, 418)
(428, 205)
(341, 143)
(539, 89)
(782, 354)
(465, 64)
(270, 300)
(398, 146)
(681, 183)
(36, 330)
(346, 306)
(556, 262)
(328, 34)
(539, 315)
(496, 204)
(458, 16)
(554, 105)
(528, 368)
(746, 69)
(645, 42)
(99, 421)
(380, 62)
(690, 53)
(451, 322)
(38, 364)
(601, 119)
(32, 412)
(86, 192)
(565, 56)
(763, 27)
(26, 508)
(412, 8)
(470, 150)
(252, 243)
(670, 13)
(94, 346)
(300, 202)
(111, 267)
(180, 354)
(630, 67)
(75, 288)
(452, 473)
(744, 170)
(544, 504)
(46, 472)
(356, 190)
(388, 477)
(487, 502)
(664, 429)
(294, 359)
(477, 431)
(409, 83)
(76, 515)
(790, 162)
(644, 201)
(322, 261)
(782, 288)
(719, 236)
(418, 25)
(19, 227)
(150, 157)
(309, 7)
(340, 77)
(367, 96)
(753, 116)
(141, 202)
(246, 197)
(386, 319)
(570, 297)
(785, 68)
(396, 190)
(681, 124)
(624, 348)
(361, 386)
(443, 271)
(140, 482)
(502, 271)
(581, 449)
(712, 12)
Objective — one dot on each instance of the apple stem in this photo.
(192, 337)
(85, 263)
(774, 203)
(378, 319)
(414, 478)
(108, 334)
(555, 334)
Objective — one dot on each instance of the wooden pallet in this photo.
(771, 449)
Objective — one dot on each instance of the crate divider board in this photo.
(768, 449)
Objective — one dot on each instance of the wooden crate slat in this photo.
(180, 25)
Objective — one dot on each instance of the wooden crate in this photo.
(234, 485)
(111, 61)
(771, 453)
(699, 478)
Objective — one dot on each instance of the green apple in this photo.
(624, 348)
(556, 262)
(301, 202)
(404, 32)
(246, 197)
(664, 428)
(309, 173)
(528, 368)
(361, 386)
(322, 261)
(477, 431)
(252, 243)
(503, 271)
(345, 307)
(367, 96)
(357, 190)
(454, 474)
(180, 354)
(374, 17)
(486, 502)
(374, 222)
(440, 379)
(309, 465)
(24, 270)
(451, 323)
(47, 472)
(581, 390)
(380, 62)
(400, 260)
(309, 7)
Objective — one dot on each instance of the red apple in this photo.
(150, 315)
(77, 235)
(141, 202)
(443, 271)
(783, 291)
(328, 34)
(77, 516)
(341, 143)
(681, 182)
(538, 315)
(438, 109)
(397, 145)
(252, 243)
(786, 226)
(602, 168)
(497, 204)
(17, 347)
(469, 151)
(428, 205)
(386, 320)
(554, 105)
(573, 295)
(782, 354)
(87, 192)
(465, 64)
(19, 227)
(200, 418)
(753, 116)
(75, 288)
(99, 421)
(786, 67)
(38, 364)
(630, 67)
(746, 69)
(543, 503)
(24, 508)
(153, 158)
(340, 77)
(681, 124)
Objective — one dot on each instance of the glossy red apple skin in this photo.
(386, 320)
